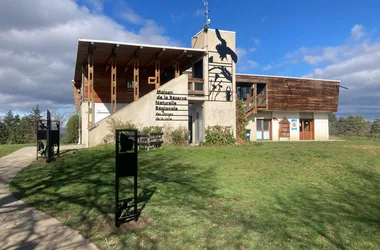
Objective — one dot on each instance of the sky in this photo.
(331, 39)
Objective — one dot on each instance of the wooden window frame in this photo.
(270, 128)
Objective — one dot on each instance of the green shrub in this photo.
(151, 129)
(72, 130)
(113, 124)
(218, 135)
(241, 121)
(179, 136)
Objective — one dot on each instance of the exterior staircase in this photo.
(250, 106)
(143, 112)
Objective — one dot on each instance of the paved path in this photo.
(24, 227)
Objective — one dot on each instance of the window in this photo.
(263, 129)
(261, 92)
(244, 91)
(198, 69)
(130, 84)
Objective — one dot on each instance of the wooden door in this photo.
(306, 129)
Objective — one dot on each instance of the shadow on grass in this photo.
(345, 216)
(127, 212)
(79, 190)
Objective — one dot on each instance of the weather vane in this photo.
(208, 21)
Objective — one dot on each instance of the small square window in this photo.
(130, 84)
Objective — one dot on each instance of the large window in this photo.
(261, 94)
(198, 69)
(244, 91)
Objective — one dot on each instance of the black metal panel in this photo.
(126, 153)
(48, 136)
(126, 162)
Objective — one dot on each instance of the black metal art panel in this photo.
(220, 71)
(126, 162)
(48, 137)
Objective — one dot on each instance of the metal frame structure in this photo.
(50, 131)
(126, 166)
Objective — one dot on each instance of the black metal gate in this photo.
(48, 136)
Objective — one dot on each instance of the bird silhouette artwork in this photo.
(223, 49)
(224, 71)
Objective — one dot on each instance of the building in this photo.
(152, 86)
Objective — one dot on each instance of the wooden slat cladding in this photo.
(298, 94)
(102, 86)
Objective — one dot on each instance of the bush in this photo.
(218, 135)
(72, 130)
(241, 121)
(176, 136)
(151, 129)
(113, 124)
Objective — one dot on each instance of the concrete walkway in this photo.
(24, 227)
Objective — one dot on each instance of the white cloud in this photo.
(129, 15)
(267, 67)
(252, 64)
(199, 12)
(38, 49)
(357, 32)
(357, 66)
(244, 63)
(176, 18)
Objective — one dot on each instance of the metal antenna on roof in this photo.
(208, 21)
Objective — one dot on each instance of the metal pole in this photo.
(116, 184)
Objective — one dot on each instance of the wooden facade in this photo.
(109, 66)
(296, 94)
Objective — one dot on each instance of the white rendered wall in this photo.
(84, 117)
(143, 112)
(252, 126)
(321, 126)
(293, 118)
(102, 110)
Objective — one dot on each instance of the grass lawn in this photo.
(6, 149)
(291, 195)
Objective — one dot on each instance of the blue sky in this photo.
(279, 27)
(319, 39)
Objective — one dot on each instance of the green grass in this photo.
(6, 149)
(301, 195)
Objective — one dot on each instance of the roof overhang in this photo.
(125, 52)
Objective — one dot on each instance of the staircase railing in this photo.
(250, 105)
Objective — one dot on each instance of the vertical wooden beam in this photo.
(254, 85)
(113, 85)
(90, 77)
(177, 69)
(136, 79)
(158, 74)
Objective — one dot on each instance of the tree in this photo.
(33, 118)
(333, 130)
(8, 126)
(3, 138)
(353, 126)
(72, 130)
(375, 127)
(62, 117)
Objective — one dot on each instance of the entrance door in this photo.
(306, 129)
(263, 129)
